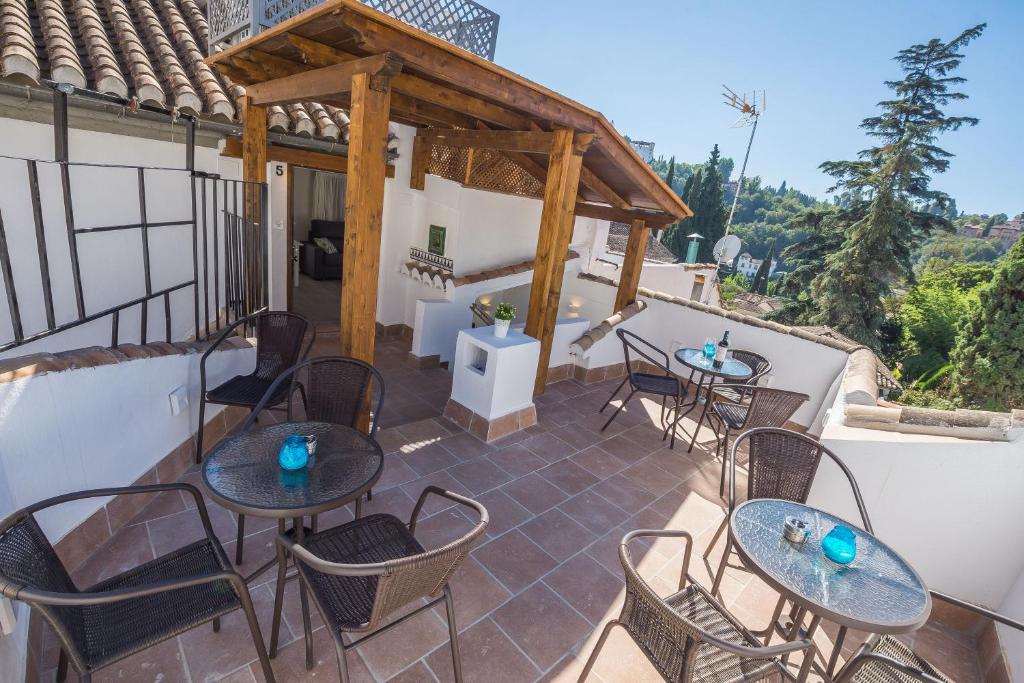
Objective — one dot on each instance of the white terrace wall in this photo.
(950, 506)
(676, 279)
(111, 263)
(797, 364)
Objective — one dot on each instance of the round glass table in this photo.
(732, 370)
(878, 592)
(243, 475)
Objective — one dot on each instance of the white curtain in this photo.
(328, 196)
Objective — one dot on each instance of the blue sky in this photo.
(655, 68)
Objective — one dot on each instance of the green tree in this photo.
(782, 189)
(670, 175)
(998, 219)
(674, 237)
(803, 263)
(704, 194)
(988, 358)
(881, 229)
(760, 283)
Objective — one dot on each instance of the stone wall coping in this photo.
(962, 423)
(38, 364)
(604, 328)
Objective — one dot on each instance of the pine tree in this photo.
(761, 277)
(882, 227)
(988, 359)
(782, 189)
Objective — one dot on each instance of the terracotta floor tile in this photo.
(174, 531)
(475, 592)
(488, 656)
(465, 446)
(399, 647)
(535, 493)
(505, 513)
(290, 664)
(417, 673)
(598, 462)
(625, 449)
(514, 560)
(444, 527)
(559, 535)
(391, 501)
(591, 589)
(161, 505)
(396, 472)
(517, 460)
(593, 421)
(576, 437)
(542, 625)
(428, 431)
(391, 439)
(568, 476)
(549, 447)
(594, 512)
(480, 475)
(624, 492)
(431, 458)
(126, 550)
(651, 477)
(620, 659)
(434, 504)
(162, 663)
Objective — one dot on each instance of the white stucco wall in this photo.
(1012, 640)
(671, 278)
(110, 262)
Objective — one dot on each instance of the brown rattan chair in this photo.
(883, 659)
(781, 464)
(765, 408)
(279, 345)
(636, 350)
(361, 572)
(738, 392)
(335, 389)
(690, 636)
(132, 611)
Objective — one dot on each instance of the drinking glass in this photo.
(709, 348)
(293, 454)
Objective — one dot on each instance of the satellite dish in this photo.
(726, 248)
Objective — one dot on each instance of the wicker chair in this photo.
(782, 464)
(883, 659)
(279, 338)
(765, 408)
(740, 391)
(635, 349)
(132, 611)
(361, 572)
(335, 389)
(689, 636)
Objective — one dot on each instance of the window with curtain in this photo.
(328, 196)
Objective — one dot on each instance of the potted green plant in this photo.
(504, 314)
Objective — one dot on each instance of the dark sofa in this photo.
(315, 262)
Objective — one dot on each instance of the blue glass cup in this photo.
(840, 545)
(709, 348)
(293, 454)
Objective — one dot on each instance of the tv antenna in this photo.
(750, 113)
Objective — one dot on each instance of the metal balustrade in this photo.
(465, 23)
(442, 262)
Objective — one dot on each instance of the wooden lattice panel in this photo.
(490, 170)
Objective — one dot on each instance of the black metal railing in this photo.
(442, 262)
(465, 23)
(220, 223)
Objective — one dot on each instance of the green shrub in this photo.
(505, 311)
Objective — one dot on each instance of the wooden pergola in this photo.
(477, 123)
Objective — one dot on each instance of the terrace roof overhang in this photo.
(440, 85)
(470, 115)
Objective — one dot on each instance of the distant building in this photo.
(748, 265)
(1007, 233)
(644, 149)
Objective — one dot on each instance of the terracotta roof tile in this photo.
(151, 50)
(17, 49)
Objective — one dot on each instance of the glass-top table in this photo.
(732, 370)
(243, 475)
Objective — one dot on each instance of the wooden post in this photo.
(254, 151)
(556, 224)
(364, 208)
(633, 263)
(420, 161)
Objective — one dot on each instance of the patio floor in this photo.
(533, 596)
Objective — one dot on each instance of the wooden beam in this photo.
(254, 150)
(317, 54)
(556, 224)
(633, 263)
(610, 213)
(364, 209)
(590, 179)
(324, 83)
(420, 162)
(319, 161)
(537, 142)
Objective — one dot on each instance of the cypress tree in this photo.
(704, 194)
(988, 359)
(760, 283)
(674, 237)
(670, 177)
(782, 189)
(882, 227)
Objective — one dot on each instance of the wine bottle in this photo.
(723, 348)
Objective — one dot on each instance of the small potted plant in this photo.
(504, 314)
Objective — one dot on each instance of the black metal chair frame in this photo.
(821, 449)
(740, 391)
(45, 601)
(394, 569)
(685, 636)
(250, 320)
(629, 343)
(719, 423)
(866, 655)
(293, 372)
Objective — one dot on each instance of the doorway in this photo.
(316, 202)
